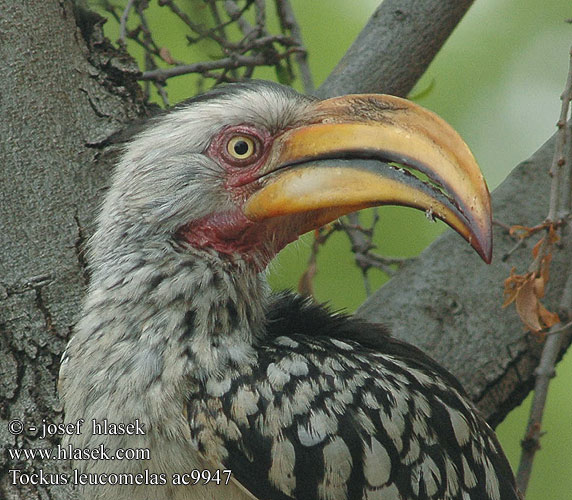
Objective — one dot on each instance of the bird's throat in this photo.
(233, 234)
(185, 314)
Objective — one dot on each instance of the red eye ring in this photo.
(240, 146)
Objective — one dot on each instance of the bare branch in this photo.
(289, 23)
(502, 224)
(560, 329)
(257, 47)
(361, 239)
(220, 26)
(389, 265)
(544, 373)
(306, 281)
(395, 48)
(561, 165)
(516, 247)
(559, 210)
(197, 28)
(227, 62)
(123, 21)
(236, 14)
(150, 48)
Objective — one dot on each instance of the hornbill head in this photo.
(244, 169)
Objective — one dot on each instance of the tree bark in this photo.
(65, 90)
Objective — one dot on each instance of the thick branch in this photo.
(458, 299)
(395, 47)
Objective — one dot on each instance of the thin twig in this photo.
(123, 22)
(235, 13)
(112, 9)
(227, 62)
(516, 246)
(371, 259)
(288, 22)
(566, 169)
(503, 225)
(260, 15)
(219, 25)
(268, 40)
(558, 214)
(560, 151)
(151, 49)
(561, 329)
(306, 282)
(361, 239)
(361, 244)
(239, 58)
(197, 28)
(566, 184)
(522, 233)
(545, 371)
(511, 233)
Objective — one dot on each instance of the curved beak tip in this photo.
(485, 246)
(484, 249)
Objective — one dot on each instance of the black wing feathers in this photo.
(293, 314)
(337, 408)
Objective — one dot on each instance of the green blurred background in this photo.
(497, 80)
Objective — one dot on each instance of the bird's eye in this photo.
(241, 147)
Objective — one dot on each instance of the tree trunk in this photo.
(64, 90)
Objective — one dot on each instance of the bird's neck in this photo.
(175, 307)
(158, 328)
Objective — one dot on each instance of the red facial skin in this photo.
(232, 233)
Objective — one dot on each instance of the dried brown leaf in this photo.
(539, 287)
(553, 236)
(519, 231)
(165, 54)
(526, 290)
(536, 248)
(527, 305)
(525, 231)
(548, 318)
(512, 285)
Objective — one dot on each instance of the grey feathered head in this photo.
(244, 169)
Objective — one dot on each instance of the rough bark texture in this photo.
(61, 96)
(64, 91)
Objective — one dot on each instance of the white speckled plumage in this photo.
(193, 344)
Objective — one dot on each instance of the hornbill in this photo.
(181, 335)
